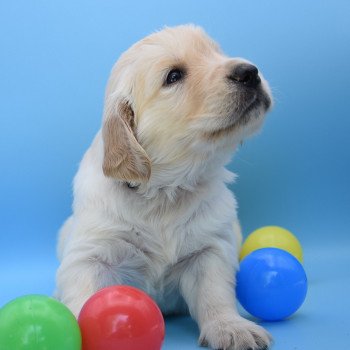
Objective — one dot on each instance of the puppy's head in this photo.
(175, 96)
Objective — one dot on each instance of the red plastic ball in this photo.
(121, 318)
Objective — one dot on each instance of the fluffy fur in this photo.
(151, 208)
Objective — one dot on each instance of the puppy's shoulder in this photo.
(219, 202)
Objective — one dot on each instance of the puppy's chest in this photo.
(162, 230)
(163, 246)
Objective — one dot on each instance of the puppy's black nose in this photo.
(245, 74)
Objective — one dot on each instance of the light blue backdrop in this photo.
(54, 62)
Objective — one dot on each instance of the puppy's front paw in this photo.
(234, 334)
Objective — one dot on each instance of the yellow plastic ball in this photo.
(272, 237)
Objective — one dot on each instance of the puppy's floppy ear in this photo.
(124, 158)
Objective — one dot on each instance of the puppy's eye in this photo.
(174, 76)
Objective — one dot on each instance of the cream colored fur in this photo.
(176, 235)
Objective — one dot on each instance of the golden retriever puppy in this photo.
(151, 207)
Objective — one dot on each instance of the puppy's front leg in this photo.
(207, 285)
(93, 264)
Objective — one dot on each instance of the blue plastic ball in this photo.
(271, 284)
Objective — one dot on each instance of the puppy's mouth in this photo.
(247, 107)
(254, 106)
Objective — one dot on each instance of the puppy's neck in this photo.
(173, 179)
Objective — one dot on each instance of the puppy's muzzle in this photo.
(245, 74)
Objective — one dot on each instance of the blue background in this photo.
(54, 62)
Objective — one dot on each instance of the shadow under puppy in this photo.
(151, 208)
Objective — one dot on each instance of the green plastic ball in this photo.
(37, 322)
